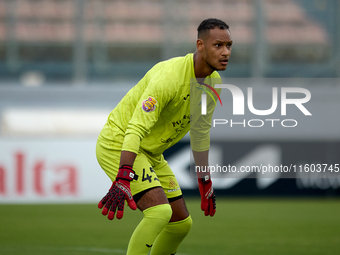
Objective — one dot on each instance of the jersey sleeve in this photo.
(158, 93)
(200, 129)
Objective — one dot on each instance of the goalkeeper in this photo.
(153, 116)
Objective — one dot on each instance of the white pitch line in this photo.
(95, 249)
(84, 249)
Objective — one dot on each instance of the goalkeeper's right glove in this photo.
(118, 193)
(208, 201)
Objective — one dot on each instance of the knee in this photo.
(186, 224)
(165, 212)
(161, 212)
(182, 226)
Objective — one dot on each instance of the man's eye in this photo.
(217, 45)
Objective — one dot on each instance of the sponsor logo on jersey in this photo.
(169, 140)
(172, 190)
(172, 184)
(149, 104)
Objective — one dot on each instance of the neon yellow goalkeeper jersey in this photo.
(155, 114)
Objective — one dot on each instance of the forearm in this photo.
(129, 149)
(127, 158)
(201, 159)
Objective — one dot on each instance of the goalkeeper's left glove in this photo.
(118, 193)
(208, 201)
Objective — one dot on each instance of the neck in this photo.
(201, 68)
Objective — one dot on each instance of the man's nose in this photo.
(226, 51)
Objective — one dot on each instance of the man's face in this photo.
(217, 48)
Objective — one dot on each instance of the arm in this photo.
(208, 203)
(201, 160)
(200, 143)
(127, 158)
(145, 114)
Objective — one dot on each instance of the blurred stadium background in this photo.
(94, 40)
(65, 64)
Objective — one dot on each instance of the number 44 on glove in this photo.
(118, 193)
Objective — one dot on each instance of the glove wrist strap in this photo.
(126, 173)
(204, 176)
(204, 179)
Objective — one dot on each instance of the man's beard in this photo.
(208, 63)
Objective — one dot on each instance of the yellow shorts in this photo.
(152, 172)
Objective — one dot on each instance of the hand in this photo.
(118, 193)
(208, 202)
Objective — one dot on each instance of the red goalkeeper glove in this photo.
(208, 202)
(118, 193)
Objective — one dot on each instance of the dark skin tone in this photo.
(212, 53)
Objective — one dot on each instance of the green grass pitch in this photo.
(248, 226)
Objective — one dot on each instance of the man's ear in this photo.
(200, 45)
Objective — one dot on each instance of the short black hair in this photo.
(208, 24)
